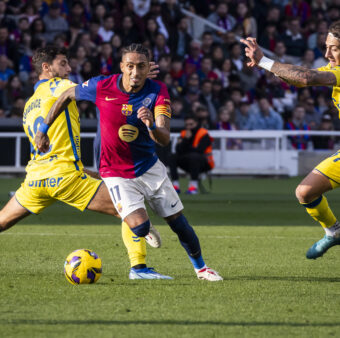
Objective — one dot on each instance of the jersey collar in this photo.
(39, 83)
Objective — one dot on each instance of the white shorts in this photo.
(128, 194)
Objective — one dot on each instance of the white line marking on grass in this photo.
(51, 234)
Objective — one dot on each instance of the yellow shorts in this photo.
(76, 189)
(330, 167)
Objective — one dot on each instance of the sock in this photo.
(321, 212)
(136, 246)
(188, 240)
(333, 231)
(193, 184)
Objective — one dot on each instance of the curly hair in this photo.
(136, 48)
(334, 28)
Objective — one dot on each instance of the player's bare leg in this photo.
(310, 194)
(11, 214)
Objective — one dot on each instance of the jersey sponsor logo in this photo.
(47, 182)
(146, 102)
(127, 109)
(128, 133)
(85, 84)
(110, 98)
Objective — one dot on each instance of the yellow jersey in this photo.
(336, 88)
(64, 153)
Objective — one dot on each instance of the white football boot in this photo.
(208, 274)
(153, 238)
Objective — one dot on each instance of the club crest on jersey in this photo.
(127, 109)
(146, 102)
(128, 133)
(85, 84)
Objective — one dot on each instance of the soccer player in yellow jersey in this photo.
(58, 174)
(326, 175)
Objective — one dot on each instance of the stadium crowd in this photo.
(206, 76)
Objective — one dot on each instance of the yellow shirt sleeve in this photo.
(58, 86)
(334, 70)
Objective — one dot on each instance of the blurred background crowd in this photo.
(206, 75)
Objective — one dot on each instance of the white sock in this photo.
(334, 230)
(193, 184)
(204, 267)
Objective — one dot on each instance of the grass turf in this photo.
(269, 290)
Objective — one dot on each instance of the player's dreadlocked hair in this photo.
(334, 28)
(46, 54)
(136, 48)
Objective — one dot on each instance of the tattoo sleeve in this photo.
(301, 76)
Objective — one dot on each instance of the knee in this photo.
(303, 194)
(142, 230)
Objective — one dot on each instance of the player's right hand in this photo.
(253, 51)
(42, 141)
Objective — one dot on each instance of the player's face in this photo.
(333, 50)
(60, 67)
(135, 68)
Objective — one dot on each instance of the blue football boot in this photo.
(146, 273)
(321, 246)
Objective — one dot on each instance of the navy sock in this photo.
(188, 239)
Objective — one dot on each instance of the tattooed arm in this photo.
(294, 75)
(301, 76)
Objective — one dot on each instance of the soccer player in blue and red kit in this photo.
(134, 113)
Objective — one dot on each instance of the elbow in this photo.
(164, 142)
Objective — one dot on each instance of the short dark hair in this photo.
(334, 28)
(46, 54)
(136, 48)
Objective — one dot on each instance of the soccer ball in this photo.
(82, 266)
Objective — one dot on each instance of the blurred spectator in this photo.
(172, 88)
(322, 27)
(28, 87)
(269, 37)
(293, 39)
(8, 48)
(94, 27)
(217, 55)
(226, 70)
(246, 20)
(313, 117)
(320, 51)
(236, 55)
(244, 118)
(206, 98)
(206, 72)
(17, 108)
(192, 61)
(88, 70)
(75, 75)
(298, 9)
(23, 26)
(38, 29)
(193, 154)
(171, 14)
(324, 142)
(207, 41)
(177, 108)
(54, 22)
(177, 71)
(12, 91)
(5, 71)
(80, 54)
(106, 29)
(226, 122)
(308, 59)
(221, 17)
(160, 47)
(151, 30)
(265, 117)
(5, 19)
(105, 59)
(280, 53)
(128, 31)
(141, 7)
(298, 122)
(100, 13)
(203, 117)
(79, 14)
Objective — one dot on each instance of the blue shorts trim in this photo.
(33, 213)
(94, 195)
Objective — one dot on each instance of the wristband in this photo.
(266, 63)
(153, 127)
(43, 127)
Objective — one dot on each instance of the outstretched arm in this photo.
(41, 140)
(294, 75)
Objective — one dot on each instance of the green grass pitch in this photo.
(251, 230)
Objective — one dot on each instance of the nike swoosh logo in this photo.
(174, 204)
(110, 98)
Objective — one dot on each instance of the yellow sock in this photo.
(321, 212)
(136, 246)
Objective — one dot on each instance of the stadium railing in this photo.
(263, 152)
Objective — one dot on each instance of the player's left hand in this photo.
(154, 70)
(253, 51)
(146, 116)
(42, 141)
